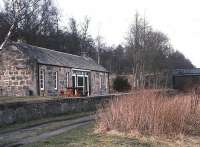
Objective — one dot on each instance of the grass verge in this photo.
(85, 136)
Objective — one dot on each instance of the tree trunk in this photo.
(7, 36)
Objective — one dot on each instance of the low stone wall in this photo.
(25, 111)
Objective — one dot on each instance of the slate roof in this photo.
(185, 72)
(51, 57)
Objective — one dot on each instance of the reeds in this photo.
(151, 113)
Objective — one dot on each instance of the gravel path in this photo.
(42, 132)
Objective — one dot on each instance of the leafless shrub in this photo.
(150, 113)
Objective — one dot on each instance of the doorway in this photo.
(80, 84)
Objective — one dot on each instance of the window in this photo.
(74, 81)
(106, 78)
(80, 81)
(86, 84)
(67, 79)
(94, 78)
(101, 81)
(42, 79)
(55, 79)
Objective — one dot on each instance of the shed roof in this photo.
(52, 57)
(187, 72)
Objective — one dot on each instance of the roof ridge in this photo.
(49, 49)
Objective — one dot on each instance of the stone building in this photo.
(27, 70)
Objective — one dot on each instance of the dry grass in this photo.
(151, 113)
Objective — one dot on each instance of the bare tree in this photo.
(15, 4)
(32, 21)
(19, 13)
(148, 52)
(84, 34)
(99, 46)
(136, 46)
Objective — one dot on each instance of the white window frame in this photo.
(67, 76)
(81, 75)
(42, 80)
(81, 70)
(101, 80)
(55, 75)
(106, 82)
(76, 79)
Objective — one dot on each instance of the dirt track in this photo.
(41, 132)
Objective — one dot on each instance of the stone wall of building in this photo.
(29, 110)
(98, 81)
(17, 73)
(49, 89)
